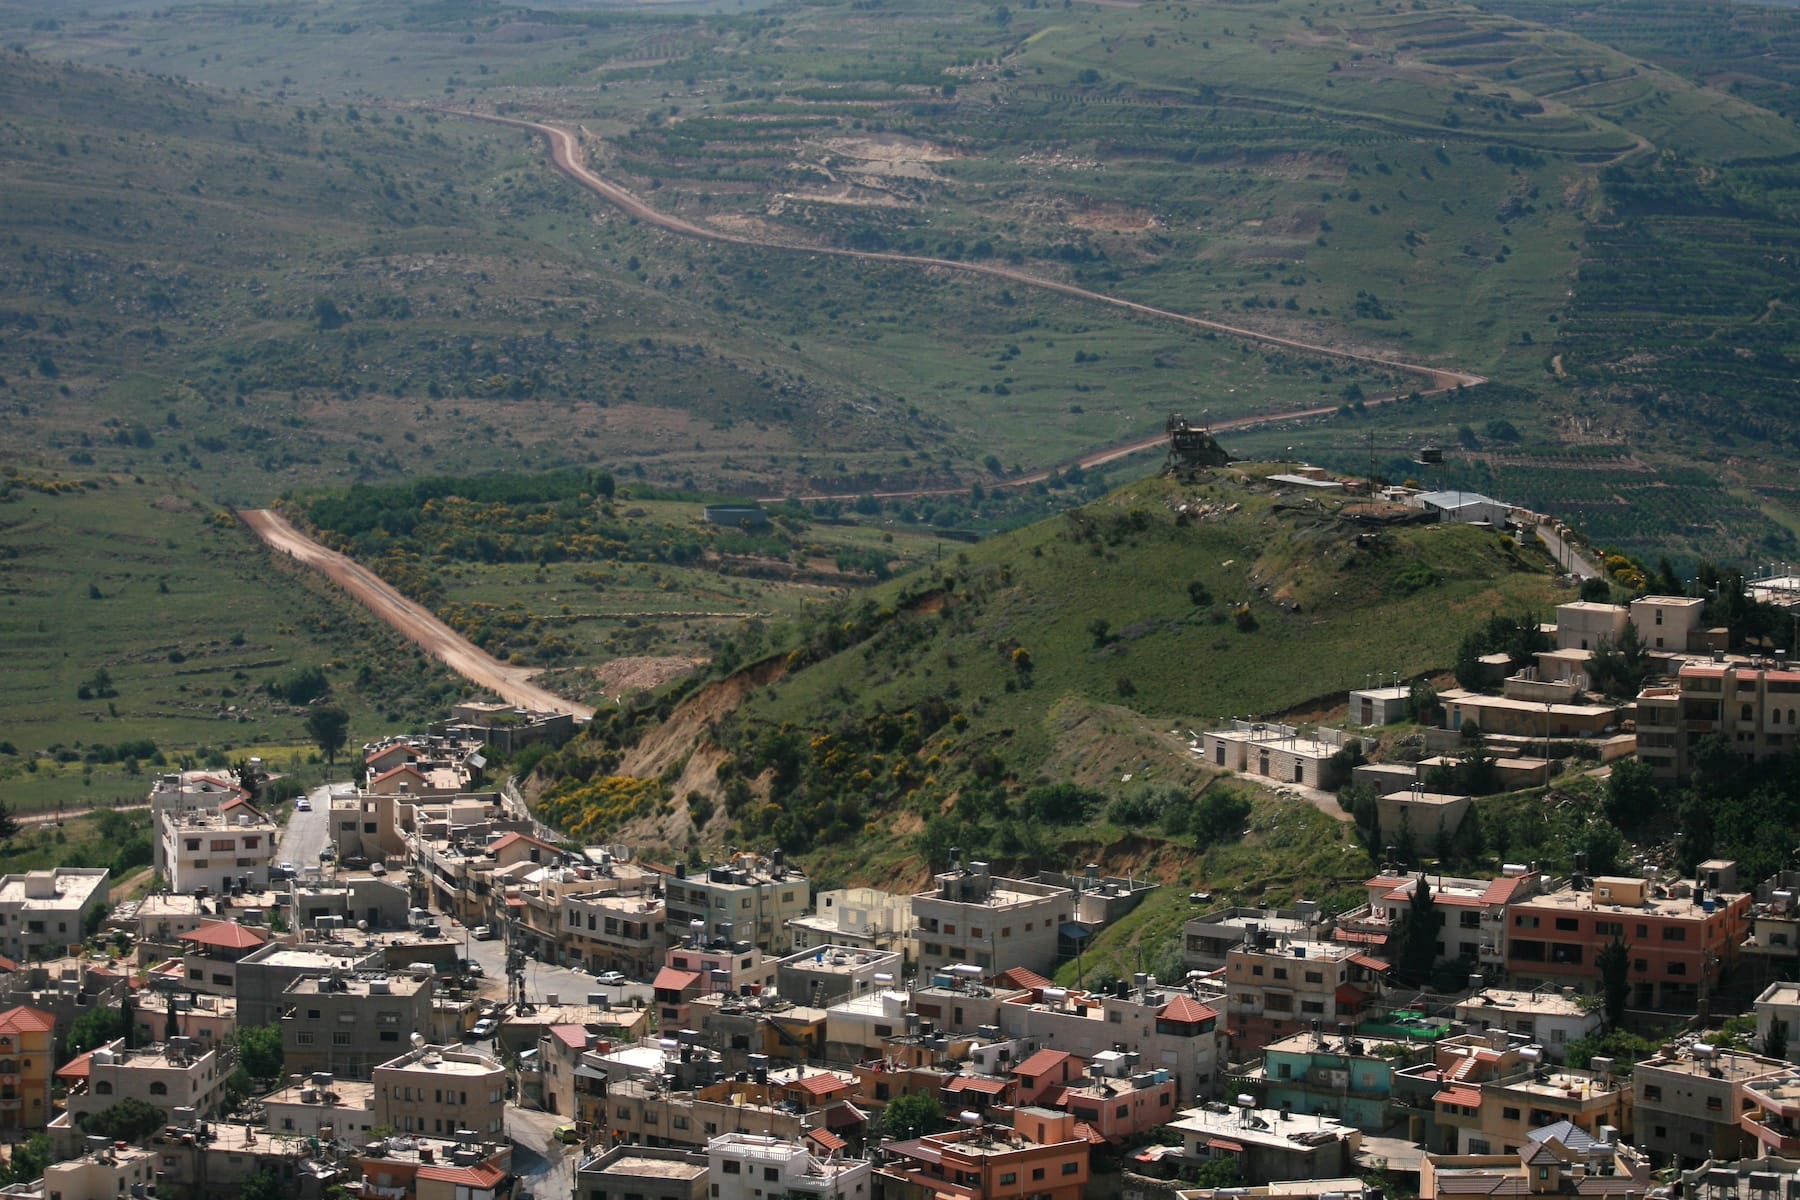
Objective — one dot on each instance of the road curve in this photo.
(413, 621)
(565, 157)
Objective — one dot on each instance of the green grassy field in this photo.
(173, 622)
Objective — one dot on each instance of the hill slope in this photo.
(1078, 649)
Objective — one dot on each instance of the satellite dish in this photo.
(418, 1040)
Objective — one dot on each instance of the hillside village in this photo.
(415, 990)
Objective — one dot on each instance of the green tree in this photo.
(1219, 816)
(1632, 797)
(1614, 964)
(28, 1161)
(9, 825)
(264, 1185)
(1775, 1043)
(259, 1050)
(912, 1116)
(1618, 668)
(95, 1027)
(127, 1121)
(329, 726)
(1417, 935)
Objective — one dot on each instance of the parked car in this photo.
(355, 862)
(611, 979)
(568, 1135)
(483, 1029)
(485, 933)
(303, 805)
(377, 869)
(469, 966)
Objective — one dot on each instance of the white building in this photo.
(1548, 1017)
(1779, 1006)
(749, 1166)
(219, 850)
(174, 1075)
(865, 917)
(48, 910)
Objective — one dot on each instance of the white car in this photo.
(611, 979)
(303, 805)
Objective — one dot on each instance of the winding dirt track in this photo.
(411, 620)
(565, 156)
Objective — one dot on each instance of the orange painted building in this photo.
(1042, 1156)
(27, 1058)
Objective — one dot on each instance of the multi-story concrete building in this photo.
(322, 1103)
(748, 898)
(1164, 1027)
(1208, 938)
(441, 1090)
(1683, 937)
(1485, 1093)
(1337, 1073)
(210, 955)
(1263, 1145)
(1770, 1112)
(204, 1019)
(43, 913)
(104, 1172)
(645, 1172)
(825, 974)
(1669, 624)
(1778, 1013)
(173, 1075)
(173, 795)
(750, 1166)
(1040, 1156)
(27, 1058)
(626, 933)
(1472, 914)
(1550, 1017)
(224, 849)
(347, 1024)
(1753, 704)
(1689, 1102)
(694, 969)
(1281, 987)
(975, 918)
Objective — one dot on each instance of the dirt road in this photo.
(566, 157)
(413, 621)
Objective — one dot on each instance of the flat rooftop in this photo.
(350, 1093)
(639, 1167)
(1738, 1068)
(1568, 899)
(1513, 1000)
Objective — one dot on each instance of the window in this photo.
(1008, 1177)
(1653, 1091)
(1568, 924)
(771, 1174)
(732, 1168)
(1510, 1114)
(1714, 1103)
(1315, 977)
(1071, 1168)
(1672, 934)
(1037, 1174)
(158, 1088)
(1678, 968)
(1281, 972)
(303, 1039)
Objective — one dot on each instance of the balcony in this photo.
(1778, 1135)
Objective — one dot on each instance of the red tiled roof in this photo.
(483, 1175)
(241, 802)
(672, 979)
(228, 935)
(8, 964)
(1041, 1062)
(1371, 962)
(402, 747)
(1500, 891)
(393, 771)
(1466, 1097)
(507, 839)
(76, 1068)
(25, 1019)
(826, 1140)
(1354, 997)
(1187, 1010)
(575, 1037)
(1026, 978)
(1089, 1134)
(819, 1084)
(976, 1083)
(1225, 1144)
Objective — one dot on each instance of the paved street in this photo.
(306, 832)
(545, 1168)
